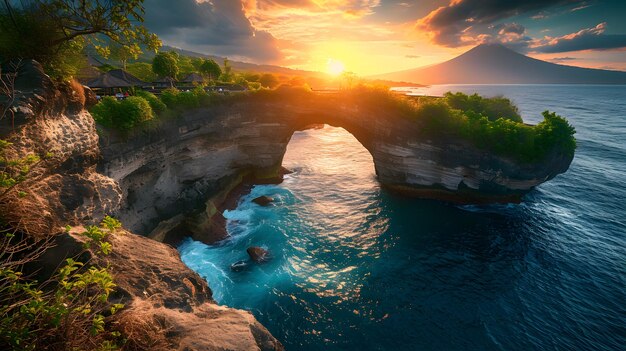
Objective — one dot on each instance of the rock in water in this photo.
(239, 266)
(258, 254)
(263, 200)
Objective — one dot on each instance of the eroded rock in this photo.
(263, 200)
(258, 254)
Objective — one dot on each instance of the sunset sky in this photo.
(378, 36)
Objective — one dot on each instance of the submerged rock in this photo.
(263, 200)
(258, 254)
(239, 266)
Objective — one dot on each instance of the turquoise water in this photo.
(355, 268)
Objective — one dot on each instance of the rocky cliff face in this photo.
(167, 304)
(175, 175)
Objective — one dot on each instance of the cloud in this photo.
(585, 39)
(511, 28)
(462, 20)
(562, 59)
(412, 56)
(217, 27)
(355, 8)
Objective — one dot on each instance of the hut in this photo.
(115, 79)
(193, 79)
(167, 82)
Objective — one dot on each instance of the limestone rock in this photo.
(187, 164)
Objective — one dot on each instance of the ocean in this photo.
(356, 268)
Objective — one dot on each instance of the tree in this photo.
(348, 80)
(269, 80)
(165, 64)
(211, 69)
(185, 66)
(142, 70)
(49, 30)
(227, 74)
(123, 53)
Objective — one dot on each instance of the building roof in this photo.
(116, 78)
(193, 78)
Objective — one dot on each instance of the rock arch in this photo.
(177, 174)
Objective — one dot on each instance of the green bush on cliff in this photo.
(122, 115)
(493, 124)
(475, 106)
(69, 310)
(155, 103)
(183, 100)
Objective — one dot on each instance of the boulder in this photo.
(258, 254)
(263, 200)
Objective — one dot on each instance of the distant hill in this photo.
(96, 60)
(496, 64)
(317, 80)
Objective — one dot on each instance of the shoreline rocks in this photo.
(263, 200)
(258, 254)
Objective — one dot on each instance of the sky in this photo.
(378, 36)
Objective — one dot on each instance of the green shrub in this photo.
(476, 106)
(492, 124)
(132, 111)
(104, 111)
(122, 115)
(555, 132)
(70, 309)
(155, 103)
(169, 97)
(187, 100)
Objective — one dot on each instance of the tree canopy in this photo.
(268, 80)
(50, 30)
(211, 69)
(165, 64)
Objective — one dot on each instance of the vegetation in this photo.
(165, 64)
(269, 80)
(70, 309)
(227, 72)
(141, 70)
(492, 124)
(155, 103)
(175, 99)
(210, 69)
(122, 115)
(54, 32)
(492, 108)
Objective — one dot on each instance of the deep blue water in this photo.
(356, 268)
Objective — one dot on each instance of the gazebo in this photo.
(116, 78)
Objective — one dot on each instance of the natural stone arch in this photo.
(176, 175)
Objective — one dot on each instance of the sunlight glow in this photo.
(335, 67)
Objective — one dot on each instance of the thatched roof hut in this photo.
(116, 78)
(193, 78)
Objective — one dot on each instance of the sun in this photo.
(335, 67)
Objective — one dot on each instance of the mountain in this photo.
(496, 64)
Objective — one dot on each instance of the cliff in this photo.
(168, 306)
(175, 174)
